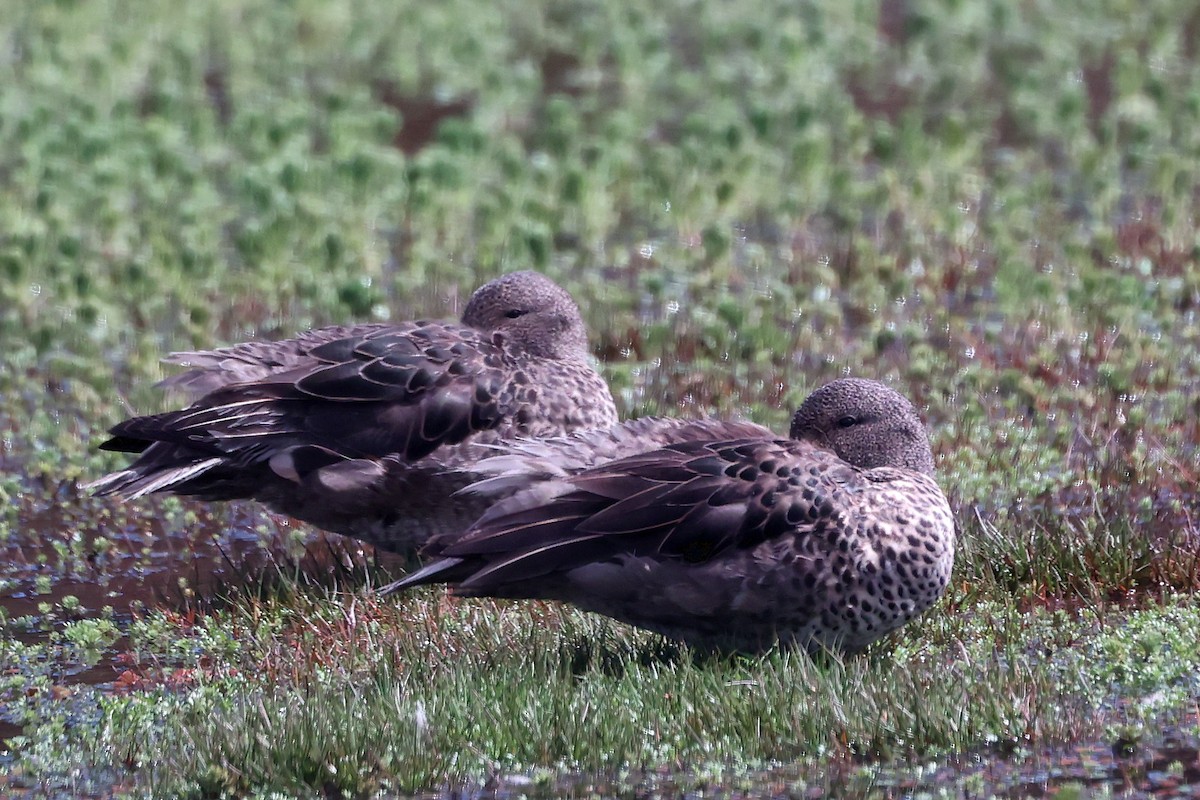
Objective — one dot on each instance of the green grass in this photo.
(992, 207)
(343, 692)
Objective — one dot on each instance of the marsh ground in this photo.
(992, 206)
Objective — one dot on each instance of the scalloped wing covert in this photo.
(691, 501)
(209, 370)
(381, 390)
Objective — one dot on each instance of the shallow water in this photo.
(154, 558)
(150, 560)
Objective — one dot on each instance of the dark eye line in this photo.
(847, 421)
(515, 312)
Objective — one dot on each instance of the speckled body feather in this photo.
(733, 541)
(369, 430)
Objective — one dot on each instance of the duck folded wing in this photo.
(380, 392)
(689, 502)
(521, 462)
(209, 370)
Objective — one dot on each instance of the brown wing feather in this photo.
(691, 501)
(210, 370)
(382, 390)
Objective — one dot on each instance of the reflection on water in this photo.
(73, 557)
(87, 558)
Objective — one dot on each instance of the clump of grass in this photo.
(345, 694)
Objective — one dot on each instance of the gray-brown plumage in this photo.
(368, 430)
(732, 538)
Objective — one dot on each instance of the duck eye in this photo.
(514, 313)
(847, 421)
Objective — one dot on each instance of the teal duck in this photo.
(726, 537)
(369, 430)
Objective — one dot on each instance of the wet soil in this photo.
(145, 562)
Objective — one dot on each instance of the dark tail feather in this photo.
(134, 482)
(441, 571)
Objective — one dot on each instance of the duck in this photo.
(721, 535)
(369, 430)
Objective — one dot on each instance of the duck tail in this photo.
(440, 571)
(134, 482)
